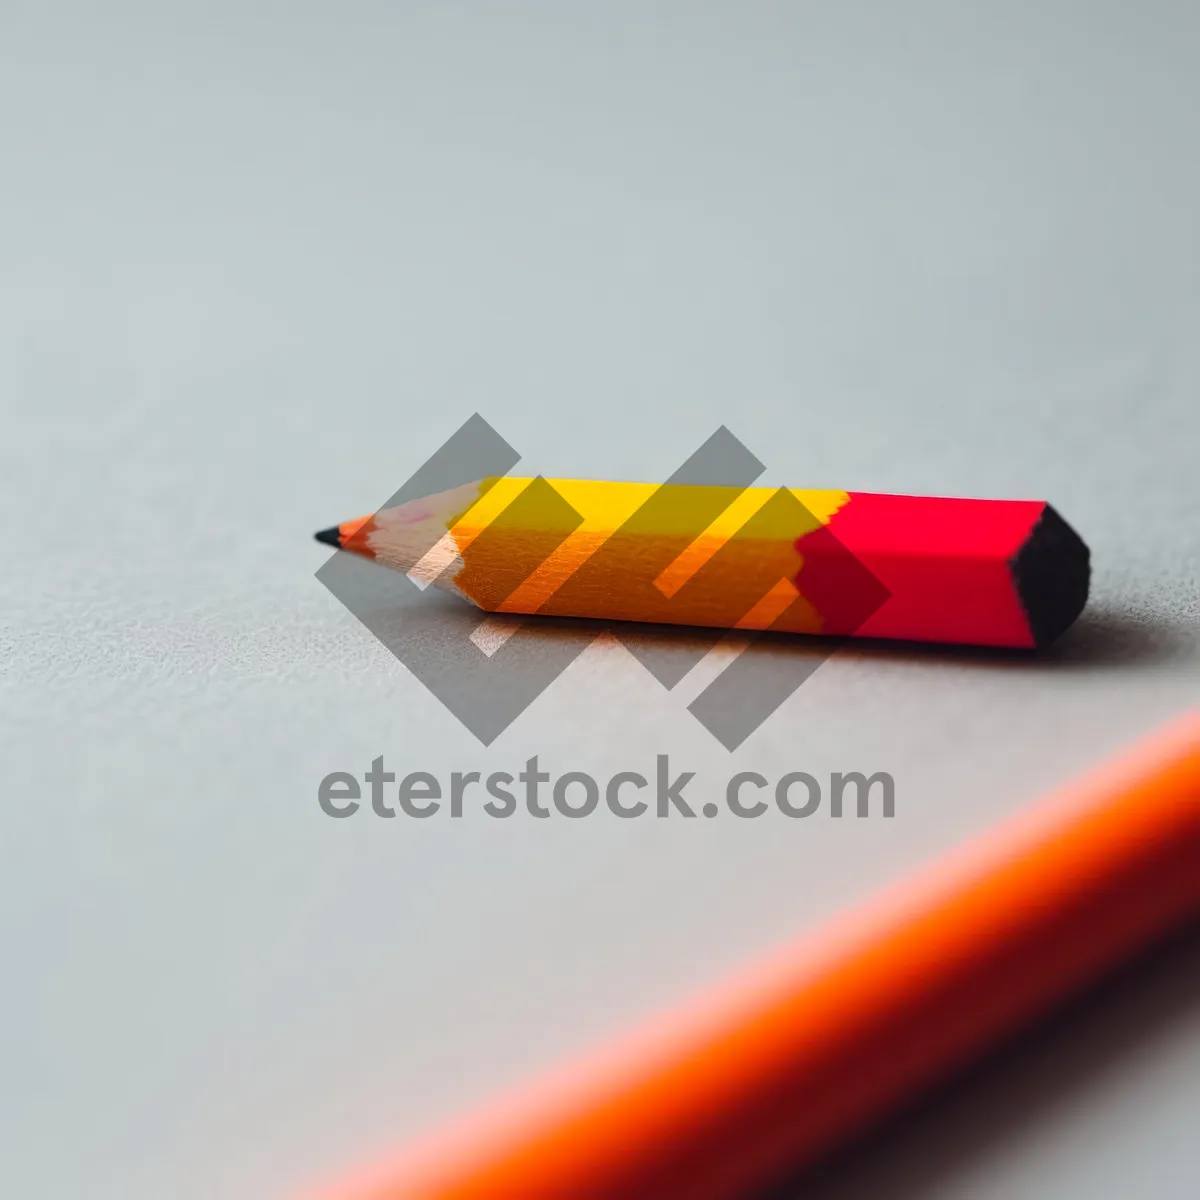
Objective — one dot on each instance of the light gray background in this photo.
(258, 260)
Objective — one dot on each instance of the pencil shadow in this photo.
(924, 1148)
(1103, 637)
(1115, 637)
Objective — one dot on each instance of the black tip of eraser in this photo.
(1052, 571)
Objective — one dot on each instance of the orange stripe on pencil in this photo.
(773, 1070)
(974, 572)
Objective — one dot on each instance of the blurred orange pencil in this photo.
(774, 1069)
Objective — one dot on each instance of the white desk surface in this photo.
(258, 261)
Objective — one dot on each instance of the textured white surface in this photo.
(257, 261)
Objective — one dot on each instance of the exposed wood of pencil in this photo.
(777, 1067)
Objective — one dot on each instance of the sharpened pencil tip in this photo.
(331, 536)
